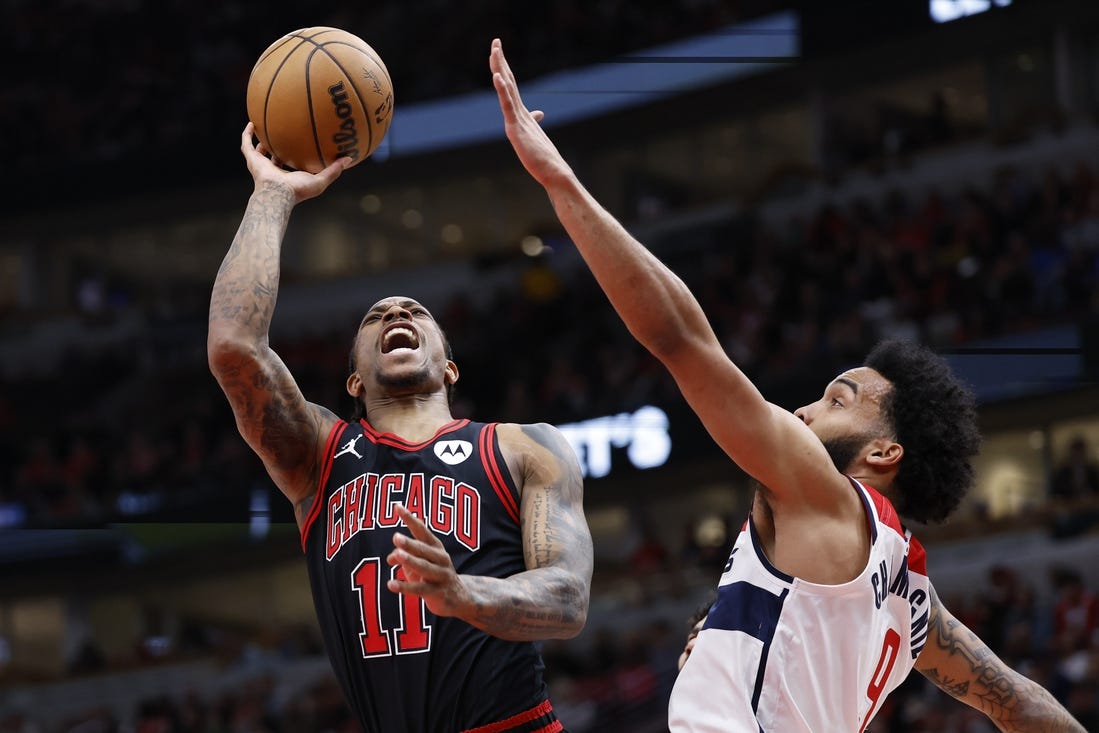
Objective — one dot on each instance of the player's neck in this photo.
(414, 418)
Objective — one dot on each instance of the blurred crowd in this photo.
(142, 428)
(616, 678)
(169, 77)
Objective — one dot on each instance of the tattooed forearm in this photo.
(970, 671)
(546, 603)
(247, 282)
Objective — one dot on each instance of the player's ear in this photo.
(354, 385)
(884, 453)
(450, 375)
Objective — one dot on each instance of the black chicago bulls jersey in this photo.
(401, 667)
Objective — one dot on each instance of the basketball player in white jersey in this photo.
(824, 605)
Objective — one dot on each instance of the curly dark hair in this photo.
(358, 409)
(934, 417)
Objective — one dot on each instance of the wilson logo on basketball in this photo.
(347, 138)
(383, 110)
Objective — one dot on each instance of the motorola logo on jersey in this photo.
(453, 452)
(369, 502)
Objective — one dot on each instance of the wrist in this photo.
(275, 192)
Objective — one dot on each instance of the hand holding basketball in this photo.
(317, 95)
(269, 170)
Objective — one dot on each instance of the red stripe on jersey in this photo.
(396, 441)
(516, 720)
(326, 468)
(917, 556)
(887, 515)
(488, 459)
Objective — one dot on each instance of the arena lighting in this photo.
(944, 11)
(644, 435)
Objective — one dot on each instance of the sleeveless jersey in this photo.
(401, 667)
(781, 655)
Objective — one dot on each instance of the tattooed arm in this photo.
(550, 599)
(962, 665)
(286, 432)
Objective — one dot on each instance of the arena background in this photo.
(821, 174)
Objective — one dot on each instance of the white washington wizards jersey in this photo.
(780, 655)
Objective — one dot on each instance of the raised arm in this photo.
(285, 430)
(962, 665)
(665, 317)
(550, 599)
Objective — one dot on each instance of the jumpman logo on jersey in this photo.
(349, 448)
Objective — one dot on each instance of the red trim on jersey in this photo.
(326, 468)
(396, 441)
(524, 717)
(887, 515)
(488, 458)
(917, 556)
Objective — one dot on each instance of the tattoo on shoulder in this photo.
(554, 523)
(552, 440)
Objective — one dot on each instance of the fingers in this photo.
(418, 529)
(247, 143)
(333, 171)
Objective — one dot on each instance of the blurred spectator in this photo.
(1076, 615)
(1077, 476)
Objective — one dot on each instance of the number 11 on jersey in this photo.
(411, 637)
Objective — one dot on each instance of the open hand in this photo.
(264, 169)
(428, 571)
(536, 151)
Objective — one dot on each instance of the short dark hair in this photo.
(358, 410)
(934, 417)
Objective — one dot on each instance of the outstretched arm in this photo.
(962, 665)
(665, 317)
(547, 601)
(284, 430)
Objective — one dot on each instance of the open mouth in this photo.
(399, 337)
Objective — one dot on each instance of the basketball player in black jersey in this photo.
(439, 550)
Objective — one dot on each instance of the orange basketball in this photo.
(319, 94)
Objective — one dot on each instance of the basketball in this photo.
(319, 94)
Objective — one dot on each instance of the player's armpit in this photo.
(963, 666)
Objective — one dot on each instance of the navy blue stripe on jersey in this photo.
(869, 509)
(326, 468)
(747, 608)
(767, 649)
(758, 547)
(751, 610)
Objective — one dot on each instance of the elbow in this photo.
(575, 611)
(225, 353)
